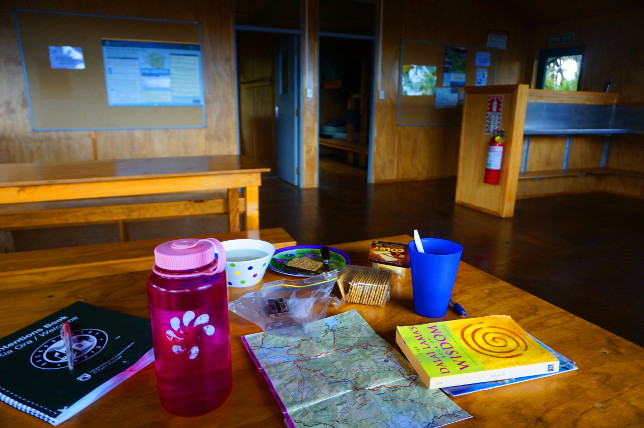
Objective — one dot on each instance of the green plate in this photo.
(337, 259)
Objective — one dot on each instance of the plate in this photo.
(337, 258)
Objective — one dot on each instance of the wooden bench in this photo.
(124, 211)
(612, 180)
(580, 172)
(27, 190)
(27, 268)
(349, 147)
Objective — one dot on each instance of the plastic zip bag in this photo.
(284, 303)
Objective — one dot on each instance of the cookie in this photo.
(305, 263)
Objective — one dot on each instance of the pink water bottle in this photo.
(188, 302)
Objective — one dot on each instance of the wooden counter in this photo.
(556, 142)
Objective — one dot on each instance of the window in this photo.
(560, 69)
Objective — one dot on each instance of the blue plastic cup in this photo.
(433, 274)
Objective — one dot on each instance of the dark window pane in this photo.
(560, 69)
(348, 17)
(562, 73)
(268, 13)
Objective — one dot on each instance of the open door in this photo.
(287, 120)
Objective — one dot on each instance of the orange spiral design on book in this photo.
(493, 341)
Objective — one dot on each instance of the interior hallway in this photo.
(582, 253)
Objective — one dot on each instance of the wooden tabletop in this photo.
(15, 174)
(606, 391)
(41, 182)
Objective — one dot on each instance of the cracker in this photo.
(305, 263)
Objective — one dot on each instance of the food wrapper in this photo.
(390, 255)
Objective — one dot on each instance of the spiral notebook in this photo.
(108, 347)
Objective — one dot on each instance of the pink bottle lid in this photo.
(184, 254)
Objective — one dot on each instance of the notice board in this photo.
(151, 69)
(433, 78)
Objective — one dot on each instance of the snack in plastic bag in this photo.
(285, 303)
(366, 285)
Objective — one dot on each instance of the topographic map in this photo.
(339, 372)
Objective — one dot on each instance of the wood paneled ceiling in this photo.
(284, 13)
(540, 12)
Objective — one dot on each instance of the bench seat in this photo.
(26, 268)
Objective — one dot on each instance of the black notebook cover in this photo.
(108, 348)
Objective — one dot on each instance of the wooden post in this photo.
(233, 210)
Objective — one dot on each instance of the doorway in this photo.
(268, 93)
(346, 86)
(346, 75)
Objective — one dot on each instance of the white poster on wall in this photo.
(66, 57)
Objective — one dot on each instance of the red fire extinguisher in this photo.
(494, 157)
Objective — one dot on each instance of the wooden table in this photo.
(34, 183)
(606, 391)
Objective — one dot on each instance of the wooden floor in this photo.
(580, 252)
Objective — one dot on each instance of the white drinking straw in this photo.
(419, 243)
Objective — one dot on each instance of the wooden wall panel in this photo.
(18, 143)
(586, 151)
(219, 75)
(255, 56)
(623, 185)
(30, 146)
(386, 133)
(614, 50)
(558, 186)
(141, 143)
(396, 148)
(546, 153)
(426, 147)
(257, 125)
(310, 81)
(626, 152)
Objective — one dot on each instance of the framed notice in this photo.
(106, 72)
(143, 73)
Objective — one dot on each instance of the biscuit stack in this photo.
(368, 286)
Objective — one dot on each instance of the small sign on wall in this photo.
(481, 77)
(66, 57)
(493, 114)
(497, 39)
(561, 39)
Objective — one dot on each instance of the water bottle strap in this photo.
(221, 255)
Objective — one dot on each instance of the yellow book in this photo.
(473, 350)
